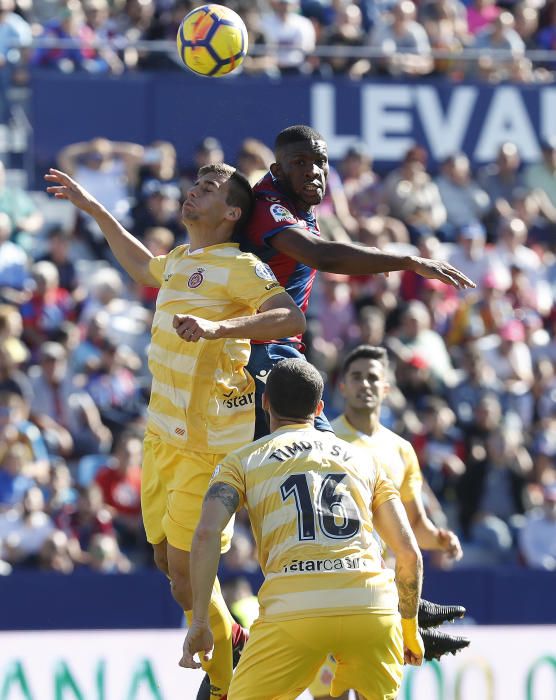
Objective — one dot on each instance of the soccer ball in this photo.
(212, 40)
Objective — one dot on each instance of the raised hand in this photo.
(67, 188)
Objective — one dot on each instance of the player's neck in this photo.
(200, 237)
(277, 422)
(363, 421)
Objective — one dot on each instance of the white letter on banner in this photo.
(384, 111)
(547, 110)
(507, 120)
(445, 131)
(323, 119)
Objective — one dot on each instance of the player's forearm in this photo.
(203, 566)
(129, 252)
(409, 581)
(351, 259)
(426, 533)
(275, 323)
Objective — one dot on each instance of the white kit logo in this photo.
(263, 271)
(280, 213)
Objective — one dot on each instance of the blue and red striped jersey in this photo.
(274, 212)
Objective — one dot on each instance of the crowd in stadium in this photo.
(473, 372)
(400, 33)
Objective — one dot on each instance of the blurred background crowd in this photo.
(321, 37)
(473, 372)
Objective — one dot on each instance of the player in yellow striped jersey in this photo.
(313, 501)
(213, 299)
(364, 385)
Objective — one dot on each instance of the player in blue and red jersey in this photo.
(284, 233)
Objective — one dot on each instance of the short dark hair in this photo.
(294, 388)
(366, 352)
(295, 134)
(240, 192)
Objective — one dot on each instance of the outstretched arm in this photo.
(220, 504)
(353, 259)
(130, 253)
(279, 317)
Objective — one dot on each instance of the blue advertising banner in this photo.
(387, 115)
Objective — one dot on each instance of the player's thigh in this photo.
(186, 492)
(157, 469)
(369, 654)
(281, 657)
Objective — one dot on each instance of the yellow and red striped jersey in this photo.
(202, 398)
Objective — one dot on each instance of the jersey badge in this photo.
(280, 213)
(263, 271)
(196, 279)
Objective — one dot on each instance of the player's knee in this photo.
(161, 558)
(181, 589)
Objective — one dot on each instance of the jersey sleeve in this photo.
(269, 217)
(157, 266)
(230, 472)
(252, 282)
(413, 480)
(384, 489)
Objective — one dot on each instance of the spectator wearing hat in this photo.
(542, 176)
(14, 266)
(159, 207)
(537, 538)
(465, 202)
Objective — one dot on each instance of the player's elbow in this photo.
(295, 321)
(409, 556)
(207, 532)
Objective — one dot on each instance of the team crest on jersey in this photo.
(263, 271)
(196, 279)
(280, 213)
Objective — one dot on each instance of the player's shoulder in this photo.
(249, 263)
(394, 439)
(271, 203)
(178, 252)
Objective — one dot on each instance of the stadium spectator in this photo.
(412, 196)
(254, 160)
(501, 179)
(54, 554)
(159, 163)
(470, 254)
(105, 555)
(465, 202)
(537, 537)
(159, 206)
(67, 416)
(542, 175)
(403, 43)
(120, 484)
(108, 169)
(25, 528)
(481, 14)
(25, 217)
(14, 266)
(49, 305)
(12, 379)
(290, 35)
(500, 35)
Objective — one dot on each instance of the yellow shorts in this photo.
(173, 485)
(283, 657)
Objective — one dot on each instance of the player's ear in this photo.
(265, 402)
(233, 213)
(342, 388)
(320, 408)
(386, 387)
(276, 170)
